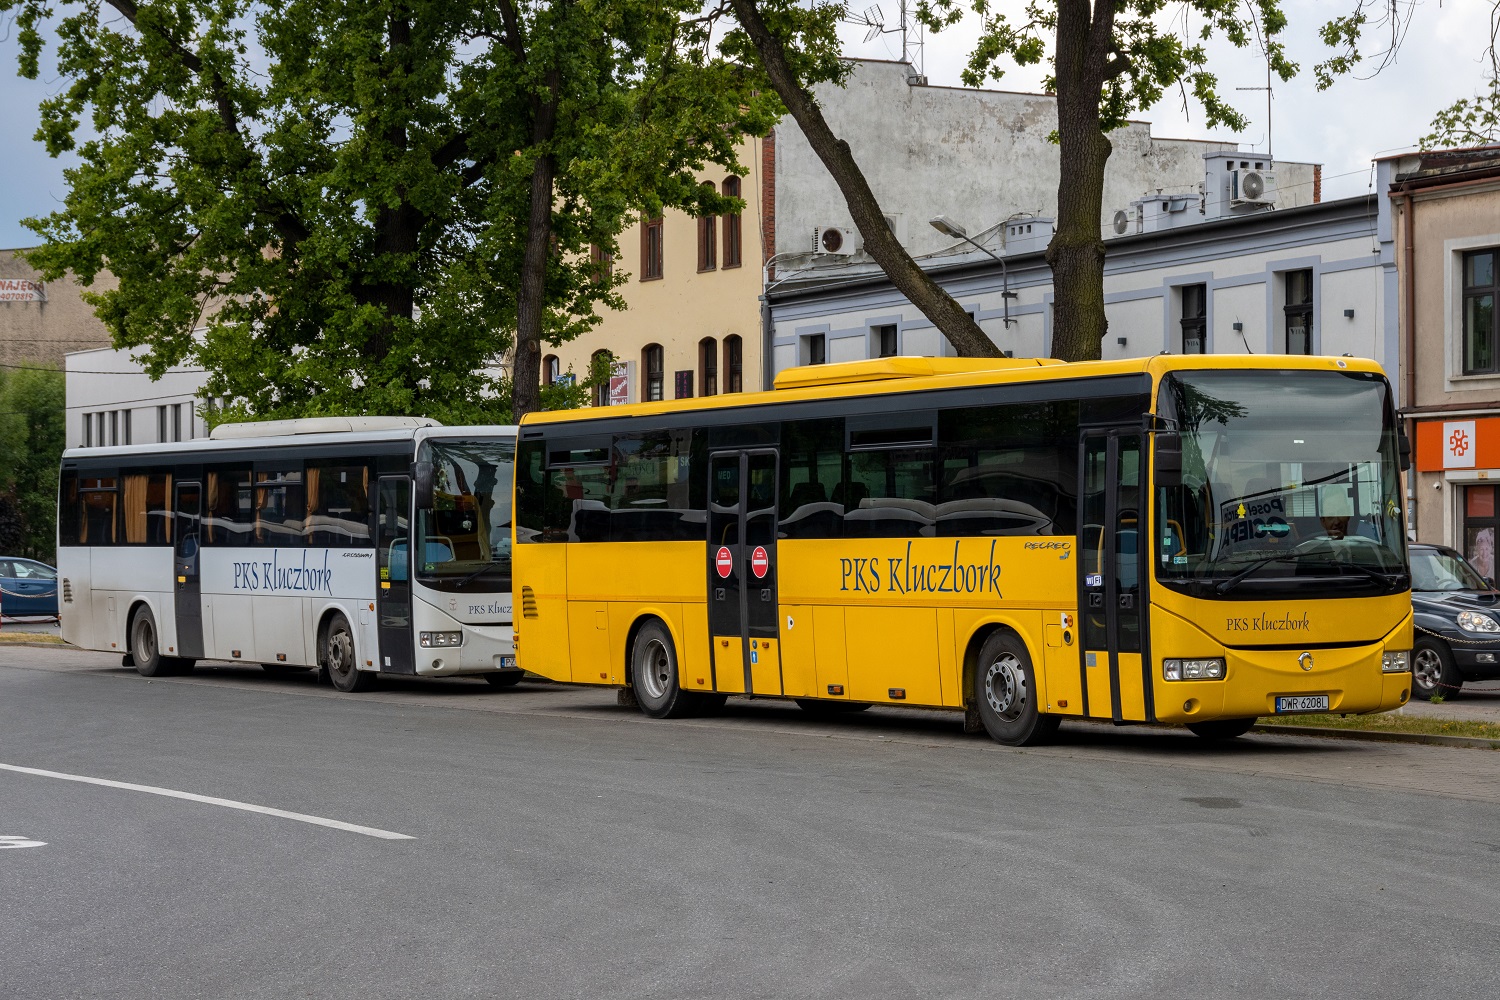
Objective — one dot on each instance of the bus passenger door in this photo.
(188, 593)
(1112, 544)
(394, 562)
(742, 605)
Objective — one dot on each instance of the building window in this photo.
(114, 427)
(886, 342)
(88, 430)
(734, 363)
(732, 253)
(125, 427)
(708, 366)
(815, 349)
(652, 364)
(1481, 329)
(1479, 523)
(176, 422)
(161, 424)
(603, 260)
(551, 369)
(1194, 319)
(1299, 311)
(651, 249)
(601, 391)
(100, 437)
(708, 238)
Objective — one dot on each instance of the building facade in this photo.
(40, 322)
(1442, 232)
(112, 401)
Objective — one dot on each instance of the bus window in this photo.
(148, 514)
(889, 494)
(98, 498)
(812, 467)
(228, 517)
(1008, 470)
(279, 508)
(651, 495)
(338, 504)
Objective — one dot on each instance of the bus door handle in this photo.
(1127, 601)
(718, 593)
(765, 595)
(1096, 600)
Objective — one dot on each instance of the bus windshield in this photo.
(463, 539)
(1290, 486)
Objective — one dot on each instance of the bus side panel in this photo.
(893, 648)
(799, 661)
(622, 615)
(75, 580)
(695, 656)
(1064, 688)
(832, 661)
(540, 574)
(280, 629)
(116, 574)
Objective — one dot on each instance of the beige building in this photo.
(692, 323)
(1444, 235)
(41, 322)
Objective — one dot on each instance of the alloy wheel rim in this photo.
(145, 642)
(656, 669)
(1426, 668)
(339, 659)
(1005, 688)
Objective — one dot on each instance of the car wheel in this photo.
(145, 646)
(1433, 671)
(339, 660)
(1221, 729)
(1005, 693)
(653, 674)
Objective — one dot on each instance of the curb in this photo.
(1430, 739)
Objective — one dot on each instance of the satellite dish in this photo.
(1254, 185)
(1122, 222)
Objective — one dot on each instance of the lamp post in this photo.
(948, 227)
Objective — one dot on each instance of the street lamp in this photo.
(948, 227)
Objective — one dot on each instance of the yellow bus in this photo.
(1194, 540)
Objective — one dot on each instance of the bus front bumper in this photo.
(1350, 678)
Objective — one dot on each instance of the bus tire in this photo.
(823, 707)
(145, 645)
(1005, 693)
(337, 657)
(505, 678)
(653, 674)
(1221, 729)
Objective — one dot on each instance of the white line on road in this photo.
(172, 793)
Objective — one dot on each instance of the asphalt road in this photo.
(565, 847)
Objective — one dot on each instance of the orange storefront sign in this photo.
(1473, 443)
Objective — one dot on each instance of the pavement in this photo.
(563, 846)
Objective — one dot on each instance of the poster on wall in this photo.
(619, 384)
(22, 290)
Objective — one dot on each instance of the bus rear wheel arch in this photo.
(336, 655)
(654, 672)
(1004, 692)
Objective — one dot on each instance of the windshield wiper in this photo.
(478, 572)
(1224, 587)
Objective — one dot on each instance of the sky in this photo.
(1342, 128)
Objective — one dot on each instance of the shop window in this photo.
(1480, 523)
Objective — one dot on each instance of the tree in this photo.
(1473, 121)
(32, 421)
(796, 48)
(358, 207)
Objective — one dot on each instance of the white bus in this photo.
(288, 543)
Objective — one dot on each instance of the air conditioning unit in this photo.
(1252, 187)
(837, 240)
(1128, 220)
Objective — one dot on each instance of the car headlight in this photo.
(1396, 662)
(1192, 670)
(433, 639)
(1477, 621)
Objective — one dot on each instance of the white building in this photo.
(111, 400)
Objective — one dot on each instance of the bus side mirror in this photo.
(1403, 449)
(422, 485)
(1168, 458)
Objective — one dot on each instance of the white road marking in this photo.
(172, 793)
(12, 841)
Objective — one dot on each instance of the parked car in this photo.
(1457, 617)
(27, 588)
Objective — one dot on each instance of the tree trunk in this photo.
(908, 277)
(531, 306)
(1076, 252)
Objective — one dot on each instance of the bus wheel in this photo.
(1221, 729)
(505, 679)
(1005, 691)
(145, 647)
(653, 674)
(338, 658)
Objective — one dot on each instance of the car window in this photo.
(1432, 569)
(34, 571)
(7, 568)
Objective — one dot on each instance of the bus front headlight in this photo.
(1398, 662)
(430, 640)
(1192, 670)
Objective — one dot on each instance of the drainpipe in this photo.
(1409, 309)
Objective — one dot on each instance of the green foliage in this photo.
(325, 203)
(1148, 52)
(32, 421)
(1470, 121)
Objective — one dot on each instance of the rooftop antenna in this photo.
(873, 19)
(1267, 88)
